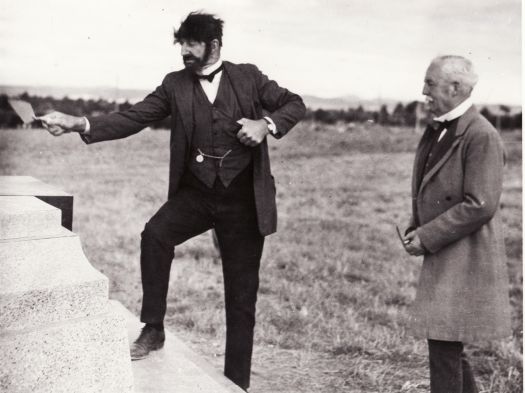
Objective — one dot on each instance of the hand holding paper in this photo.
(58, 123)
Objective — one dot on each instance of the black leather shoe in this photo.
(150, 339)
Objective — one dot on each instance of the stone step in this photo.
(27, 216)
(47, 280)
(175, 367)
(87, 355)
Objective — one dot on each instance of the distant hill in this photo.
(348, 101)
(86, 93)
(134, 95)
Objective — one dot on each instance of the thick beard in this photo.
(198, 63)
(194, 66)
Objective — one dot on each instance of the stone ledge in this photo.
(28, 185)
(25, 216)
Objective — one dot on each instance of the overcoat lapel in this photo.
(419, 160)
(439, 164)
(183, 92)
(463, 122)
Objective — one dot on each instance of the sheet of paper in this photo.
(23, 109)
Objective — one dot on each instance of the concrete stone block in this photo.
(26, 216)
(28, 185)
(86, 355)
(58, 332)
(47, 280)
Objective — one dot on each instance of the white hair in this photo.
(458, 69)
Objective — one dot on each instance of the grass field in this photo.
(335, 283)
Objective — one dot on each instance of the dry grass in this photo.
(335, 284)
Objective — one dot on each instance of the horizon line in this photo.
(347, 96)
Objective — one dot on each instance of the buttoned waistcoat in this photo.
(255, 94)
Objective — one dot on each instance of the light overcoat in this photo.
(462, 294)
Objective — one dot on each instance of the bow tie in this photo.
(210, 77)
(440, 125)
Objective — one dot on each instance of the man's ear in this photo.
(455, 88)
(215, 45)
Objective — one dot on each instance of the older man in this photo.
(219, 177)
(462, 295)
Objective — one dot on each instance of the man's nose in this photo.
(425, 90)
(184, 49)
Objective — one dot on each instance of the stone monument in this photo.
(58, 331)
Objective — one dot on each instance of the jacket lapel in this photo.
(241, 85)
(184, 98)
(463, 123)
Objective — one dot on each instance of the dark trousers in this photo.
(193, 210)
(450, 371)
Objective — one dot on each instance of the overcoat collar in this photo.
(465, 120)
(462, 126)
(183, 92)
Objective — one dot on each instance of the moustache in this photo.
(189, 57)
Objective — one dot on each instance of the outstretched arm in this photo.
(115, 125)
(155, 107)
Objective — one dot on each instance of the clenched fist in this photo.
(252, 132)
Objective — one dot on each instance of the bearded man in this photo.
(219, 177)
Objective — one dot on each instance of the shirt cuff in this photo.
(87, 127)
(272, 128)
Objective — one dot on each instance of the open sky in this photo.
(327, 48)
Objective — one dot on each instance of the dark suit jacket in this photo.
(255, 93)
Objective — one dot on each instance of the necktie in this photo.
(210, 77)
(440, 125)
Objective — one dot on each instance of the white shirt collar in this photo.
(456, 112)
(207, 70)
